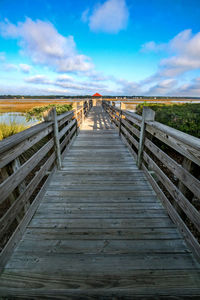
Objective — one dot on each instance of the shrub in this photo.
(184, 117)
(37, 112)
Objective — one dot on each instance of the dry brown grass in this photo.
(24, 105)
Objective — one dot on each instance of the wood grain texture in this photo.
(100, 232)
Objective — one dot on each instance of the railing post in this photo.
(82, 111)
(56, 138)
(147, 115)
(120, 121)
(76, 109)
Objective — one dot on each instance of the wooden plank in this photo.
(146, 283)
(66, 128)
(132, 117)
(108, 187)
(15, 151)
(91, 181)
(12, 141)
(31, 247)
(170, 136)
(154, 233)
(92, 214)
(17, 206)
(130, 137)
(190, 239)
(106, 199)
(181, 173)
(128, 145)
(18, 233)
(134, 130)
(102, 206)
(182, 201)
(97, 263)
(103, 194)
(101, 223)
(13, 181)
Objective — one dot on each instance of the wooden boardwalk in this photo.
(100, 231)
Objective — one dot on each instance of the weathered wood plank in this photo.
(102, 194)
(101, 223)
(12, 182)
(189, 180)
(189, 237)
(154, 233)
(102, 206)
(31, 247)
(146, 283)
(98, 263)
(98, 199)
(17, 206)
(12, 141)
(183, 143)
(182, 201)
(15, 151)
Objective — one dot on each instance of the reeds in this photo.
(7, 130)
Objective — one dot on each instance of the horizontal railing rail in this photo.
(171, 160)
(27, 161)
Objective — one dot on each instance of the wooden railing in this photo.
(171, 161)
(27, 160)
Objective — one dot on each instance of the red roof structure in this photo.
(97, 95)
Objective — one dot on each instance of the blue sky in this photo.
(118, 47)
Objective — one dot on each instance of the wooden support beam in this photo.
(147, 115)
(56, 139)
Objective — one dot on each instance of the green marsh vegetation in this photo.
(37, 112)
(184, 117)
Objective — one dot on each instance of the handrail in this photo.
(27, 161)
(171, 160)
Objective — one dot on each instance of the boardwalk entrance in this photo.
(100, 231)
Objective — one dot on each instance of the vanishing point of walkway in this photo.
(100, 231)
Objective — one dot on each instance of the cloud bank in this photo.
(44, 45)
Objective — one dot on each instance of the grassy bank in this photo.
(184, 117)
(7, 130)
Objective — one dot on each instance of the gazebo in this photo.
(96, 97)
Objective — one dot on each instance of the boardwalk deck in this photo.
(100, 231)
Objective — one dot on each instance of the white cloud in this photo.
(128, 87)
(66, 82)
(10, 67)
(152, 47)
(25, 68)
(38, 79)
(41, 41)
(111, 16)
(185, 48)
(164, 87)
(65, 78)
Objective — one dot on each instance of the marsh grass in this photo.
(7, 130)
(25, 106)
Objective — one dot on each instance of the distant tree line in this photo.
(89, 96)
